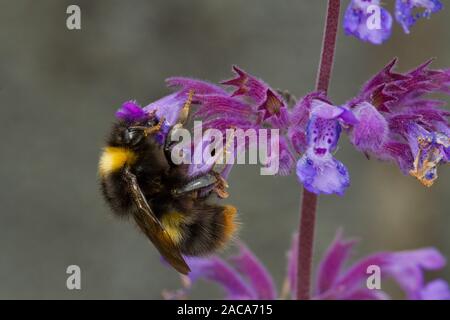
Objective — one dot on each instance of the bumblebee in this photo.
(139, 180)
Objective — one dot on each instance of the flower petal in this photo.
(368, 21)
(198, 86)
(201, 162)
(371, 131)
(274, 109)
(250, 267)
(435, 290)
(169, 107)
(407, 268)
(287, 160)
(131, 111)
(283, 160)
(298, 139)
(324, 110)
(366, 294)
(404, 11)
(327, 177)
(332, 262)
(429, 150)
(383, 77)
(317, 169)
(356, 276)
(217, 270)
(247, 85)
(301, 111)
(219, 106)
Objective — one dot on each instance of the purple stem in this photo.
(309, 199)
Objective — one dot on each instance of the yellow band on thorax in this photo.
(115, 158)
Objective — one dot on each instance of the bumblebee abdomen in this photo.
(206, 228)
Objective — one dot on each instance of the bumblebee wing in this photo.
(152, 228)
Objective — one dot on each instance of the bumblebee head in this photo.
(133, 126)
(132, 135)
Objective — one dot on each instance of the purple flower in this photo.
(405, 15)
(390, 119)
(429, 150)
(434, 290)
(397, 122)
(317, 169)
(406, 268)
(170, 106)
(244, 277)
(252, 105)
(130, 112)
(312, 128)
(369, 21)
(360, 20)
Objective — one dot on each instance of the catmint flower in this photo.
(369, 21)
(404, 11)
(356, 21)
(390, 119)
(311, 129)
(317, 169)
(130, 111)
(252, 105)
(405, 268)
(398, 121)
(242, 277)
(168, 107)
(245, 277)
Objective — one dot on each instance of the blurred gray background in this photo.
(59, 90)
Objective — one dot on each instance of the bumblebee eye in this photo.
(133, 136)
(152, 122)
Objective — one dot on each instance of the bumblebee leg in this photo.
(221, 186)
(208, 179)
(168, 144)
(182, 118)
(208, 182)
(184, 113)
(154, 129)
(196, 184)
(149, 130)
(152, 227)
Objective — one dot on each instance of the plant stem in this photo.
(309, 199)
(328, 46)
